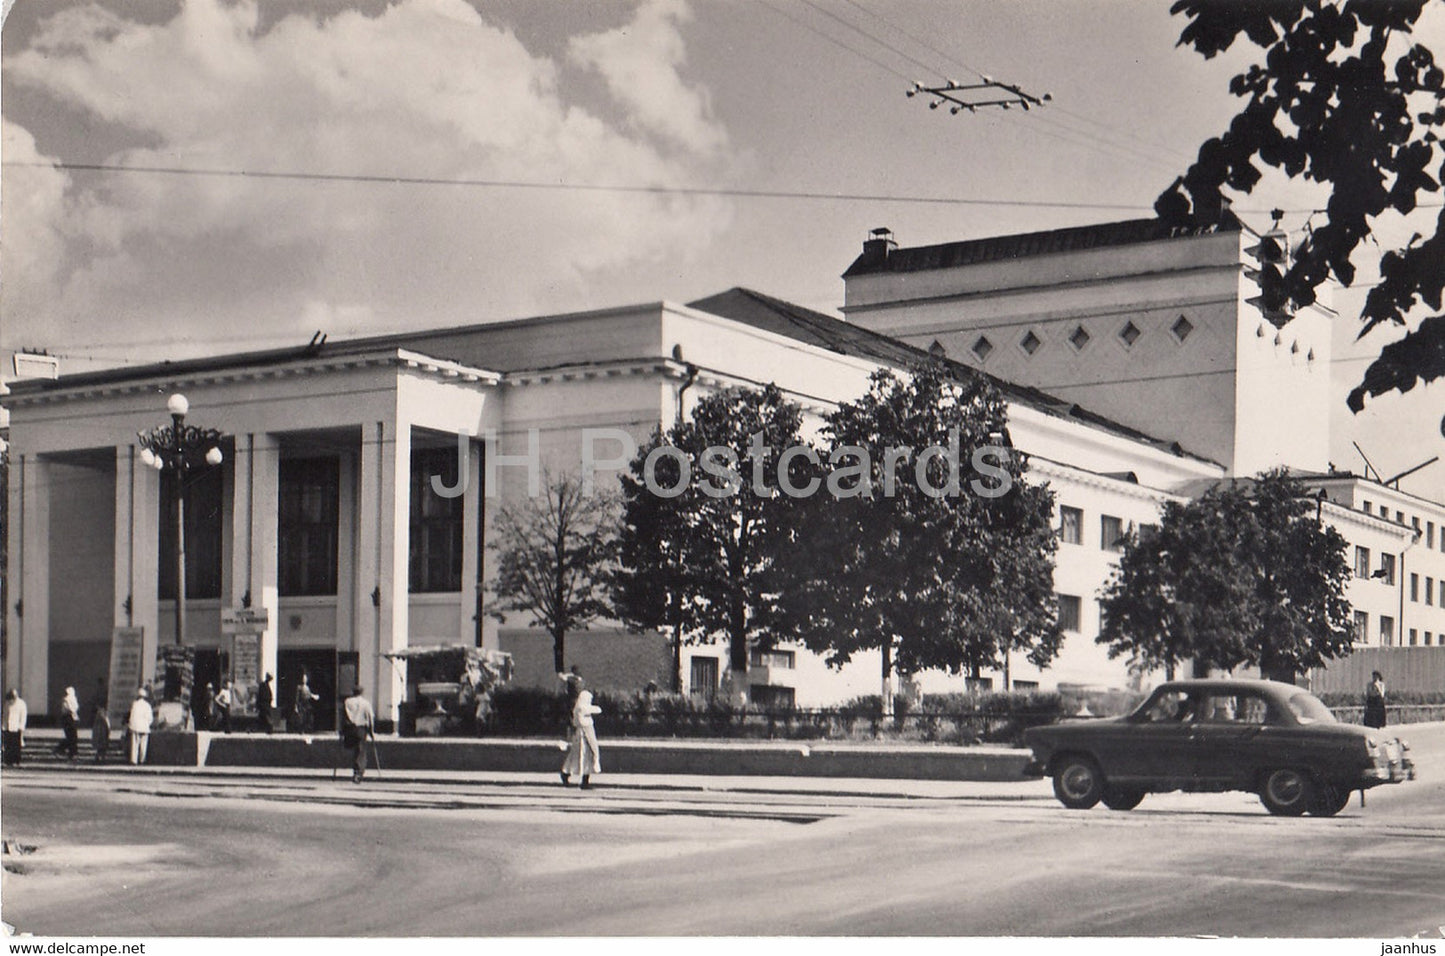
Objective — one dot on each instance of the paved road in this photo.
(499, 855)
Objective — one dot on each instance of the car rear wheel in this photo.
(1329, 800)
(1078, 783)
(1286, 792)
(1122, 798)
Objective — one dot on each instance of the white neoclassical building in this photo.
(358, 478)
(324, 515)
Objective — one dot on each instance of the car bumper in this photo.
(1393, 772)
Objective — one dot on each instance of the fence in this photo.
(1405, 669)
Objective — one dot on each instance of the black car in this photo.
(1264, 737)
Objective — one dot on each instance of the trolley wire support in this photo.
(972, 96)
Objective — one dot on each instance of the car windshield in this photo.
(1309, 710)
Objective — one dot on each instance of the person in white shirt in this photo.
(222, 708)
(15, 717)
(139, 726)
(357, 724)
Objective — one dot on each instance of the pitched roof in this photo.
(829, 332)
(1024, 245)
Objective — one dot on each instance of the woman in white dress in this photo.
(582, 754)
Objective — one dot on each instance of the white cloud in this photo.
(427, 89)
(640, 64)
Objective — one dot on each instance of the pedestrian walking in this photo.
(1375, 701)
(13, 723)
(264, 699)
(305, 709)
(583, 756)
(202, 707)
(69, 745)
(138, 725)
(357, 725)
(222, 707)
(100, 722)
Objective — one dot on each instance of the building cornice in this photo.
(1048, 467)
(396, 358)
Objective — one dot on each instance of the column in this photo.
(30, 569)
(471, 561)
(254, 563)
(383, 531)
(137, 555)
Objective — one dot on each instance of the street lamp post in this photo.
(179, 447)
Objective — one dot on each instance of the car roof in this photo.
(1231, 684)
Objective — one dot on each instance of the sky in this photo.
(363, 167)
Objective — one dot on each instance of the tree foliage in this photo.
(1243, 576)
(702, 556)
(554, 552)
(950, 580)
(1349, 97)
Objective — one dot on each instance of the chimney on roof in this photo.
(877, 246)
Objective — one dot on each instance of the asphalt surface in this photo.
(219, 853)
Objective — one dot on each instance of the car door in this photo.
(1158, 752)
(1226, 737)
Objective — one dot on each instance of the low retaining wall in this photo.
(618, 756)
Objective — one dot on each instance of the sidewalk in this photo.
(690, 764)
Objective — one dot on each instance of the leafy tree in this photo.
(710, 533)
(931, 574)
(553, 556)
(649, 587)
(1243, 576)
(1346, 96)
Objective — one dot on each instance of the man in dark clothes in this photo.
(264, 700)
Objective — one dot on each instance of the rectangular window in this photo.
(1430, 534)
(307, 516)
(771, 697)
(1365, 507)
(1414, 637)
(436, 523)
(203, 535)
(1362, 627)
(1429, 590)
(1428, 638)
(782, 660)
(1111, 533)
(1069, 612)
(1071, 525)
(1026, 685)
(1362, 562)
(1387, 565)
(1415, 523)
(1414, 587)
(1400, 517)
(703, 679)
(1387, 631)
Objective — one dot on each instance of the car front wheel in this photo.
(1122, 798)
(1078, 783)
(1286, 792)
(1329, 800)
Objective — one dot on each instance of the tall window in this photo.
(1429, 590)
(1387, 630)
(307, 525)
(1069, 612)
(1111, 533)
(1071, 525)
(1362, 627)
(1387, 565)
(1430, 535)
(1362, 562)
(436, 523)
(203, 535)
(1414, 587)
